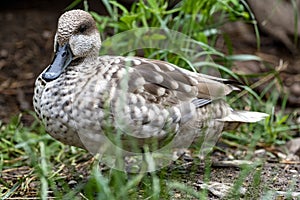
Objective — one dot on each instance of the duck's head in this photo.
(76, 37)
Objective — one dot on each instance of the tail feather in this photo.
(244, 116)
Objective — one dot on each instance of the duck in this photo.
(100, 103)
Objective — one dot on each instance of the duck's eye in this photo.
(82, 28)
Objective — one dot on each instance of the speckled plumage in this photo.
(78, 99)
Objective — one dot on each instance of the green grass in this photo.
(33, 164)
(52, 166)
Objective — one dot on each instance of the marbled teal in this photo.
(81, 96)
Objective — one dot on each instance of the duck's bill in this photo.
(63, 57)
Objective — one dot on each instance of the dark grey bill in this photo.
(61, 60)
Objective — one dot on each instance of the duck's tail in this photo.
(238, 117)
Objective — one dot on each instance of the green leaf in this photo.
(128, 19)
(155, 37)
(243, 57)
(120, 6)
(153, 4)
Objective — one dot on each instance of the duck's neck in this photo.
(84, 65)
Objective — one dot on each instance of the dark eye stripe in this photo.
(82, 28)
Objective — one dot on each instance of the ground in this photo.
(26, 49)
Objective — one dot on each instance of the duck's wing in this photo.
(168, 84)
(153, 97)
